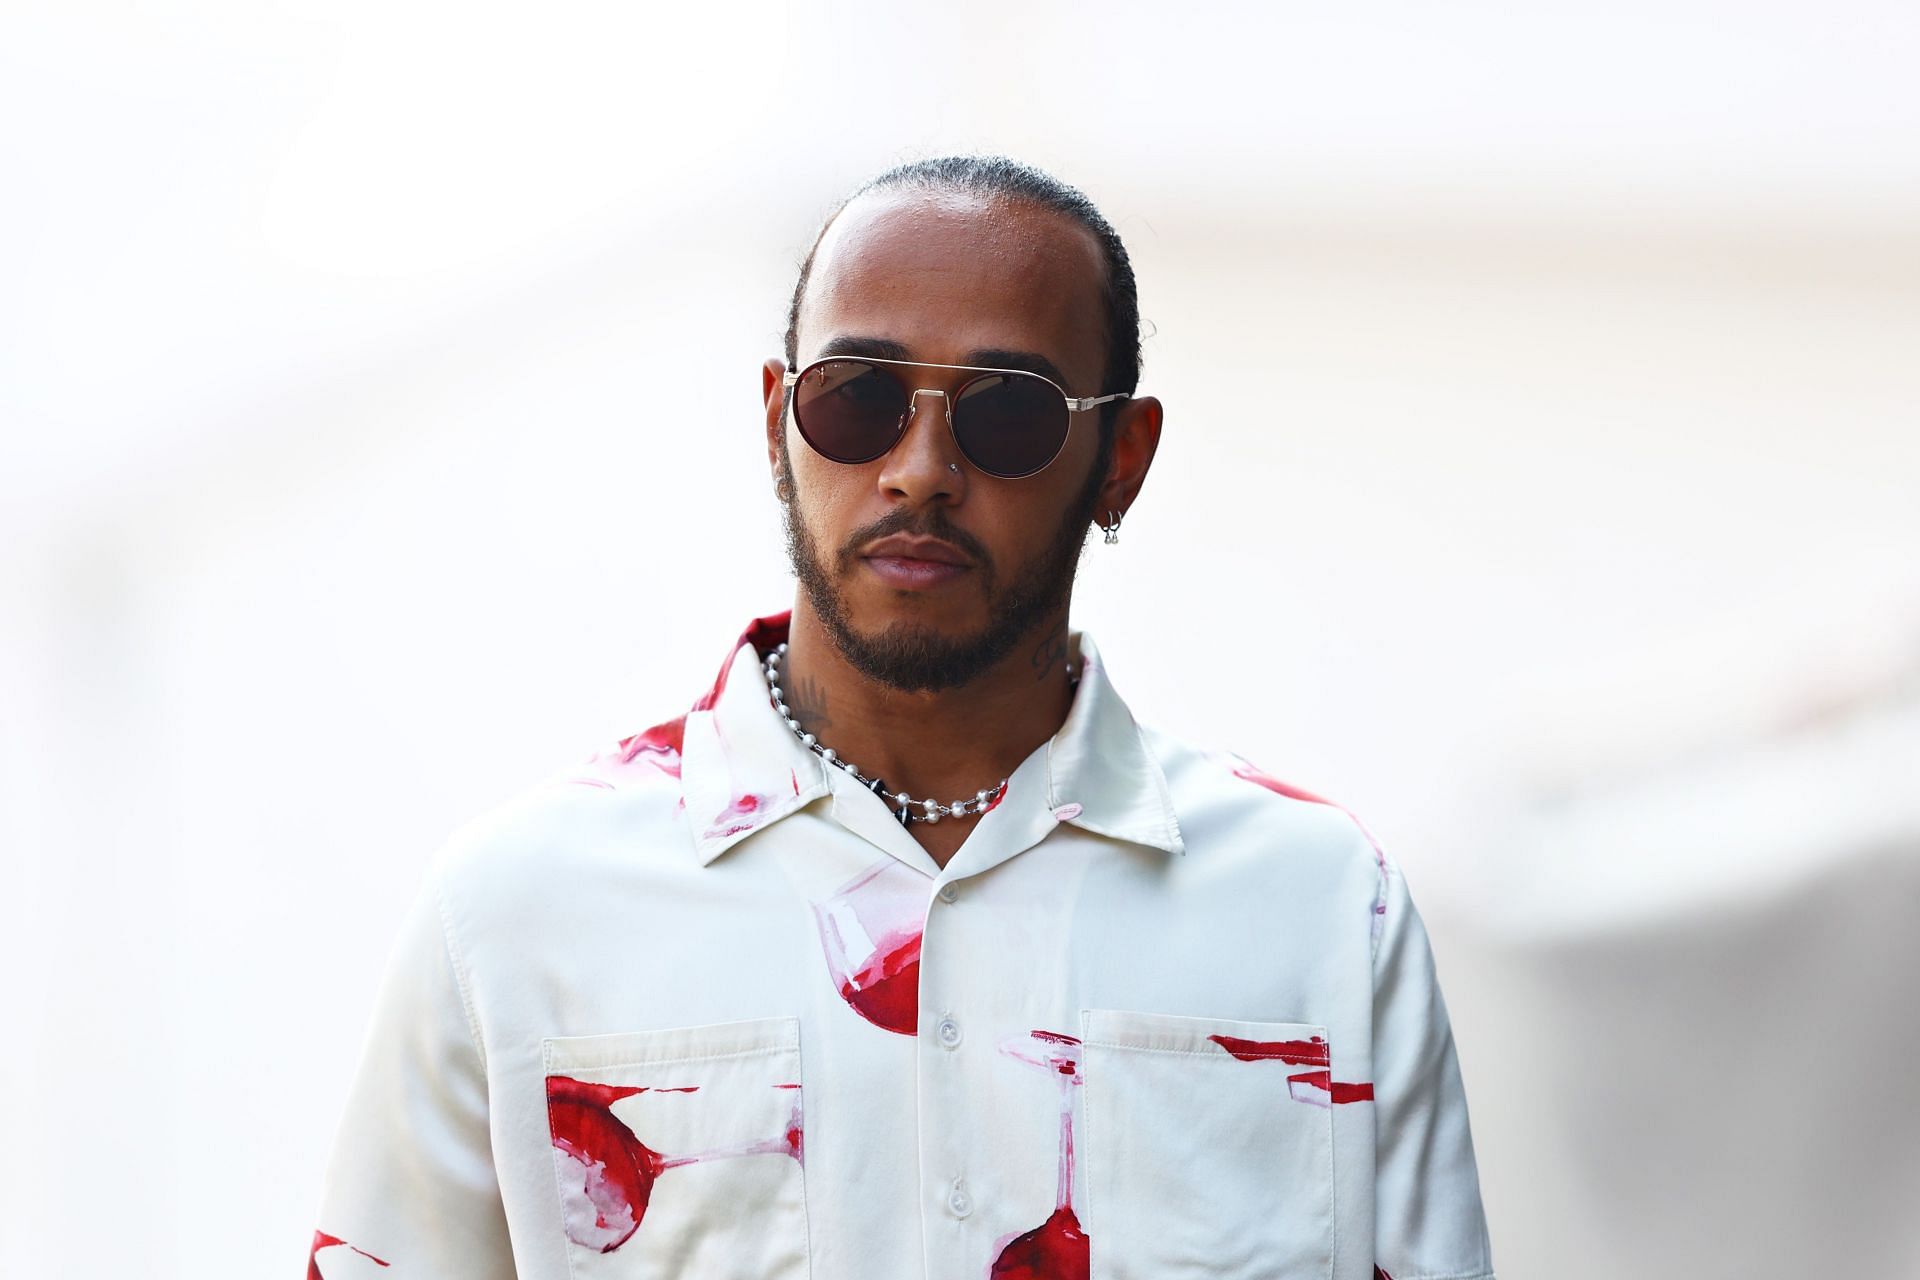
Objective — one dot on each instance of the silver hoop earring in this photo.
(1112, 530)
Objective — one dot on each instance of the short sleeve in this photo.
(410, 1188)
(1429, 1223)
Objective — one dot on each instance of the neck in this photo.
(946, 745)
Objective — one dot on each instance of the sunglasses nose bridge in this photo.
(946, 403)
(913, 407)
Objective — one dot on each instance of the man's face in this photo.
(946, 279)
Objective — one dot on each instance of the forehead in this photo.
(949, 273)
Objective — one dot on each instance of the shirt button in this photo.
(948, 893)
(949, 1033)
(958, 1200)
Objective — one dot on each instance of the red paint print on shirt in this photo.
(1320, 1089)
(655, 750)
(611, 1171)
(566, 1089)
(1057, 1249)
(763, 634)
(796, 1137)
(737, 817)
(887, 991)
(661, 745)
(609, 1175)
(870, 932)
(1299, 1053)
(1316, 1088)
(321, 1240)
(1252, 773)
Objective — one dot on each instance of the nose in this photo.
(925, 465)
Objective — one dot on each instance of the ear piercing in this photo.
(1112, 530)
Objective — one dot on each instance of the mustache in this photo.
(932, 524)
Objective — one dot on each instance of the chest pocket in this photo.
(678, 1152)
(1209, 1147)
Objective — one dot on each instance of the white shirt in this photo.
(707, 1010)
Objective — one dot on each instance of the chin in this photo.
(914, 623)
(914, 654)
(872, 605)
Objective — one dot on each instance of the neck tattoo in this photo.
(905, 808)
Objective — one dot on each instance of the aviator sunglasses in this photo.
(1007, 422)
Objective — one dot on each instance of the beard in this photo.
(919, 659)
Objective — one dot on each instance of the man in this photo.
(905, 951)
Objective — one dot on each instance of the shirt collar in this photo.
(1099, 761)
(742, 769)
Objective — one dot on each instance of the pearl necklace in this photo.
(904, 805)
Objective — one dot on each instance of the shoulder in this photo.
(619, 807)
(1226, 804)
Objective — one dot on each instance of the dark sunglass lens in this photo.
(849, 410)
(1010, 424)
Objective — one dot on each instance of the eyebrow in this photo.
(986, 357)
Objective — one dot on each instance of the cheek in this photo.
(828, 494)
(1078, 457)
(1023, 525)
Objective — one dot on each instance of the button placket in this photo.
(951, 1142)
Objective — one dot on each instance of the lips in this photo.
(927, 550)
(903, 574)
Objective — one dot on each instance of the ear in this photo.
(1136, 435)
(774, 393)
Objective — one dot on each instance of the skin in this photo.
(945, 276)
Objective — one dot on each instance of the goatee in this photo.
(918, 659)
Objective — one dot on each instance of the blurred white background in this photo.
(378, 431)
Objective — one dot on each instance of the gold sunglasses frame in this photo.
(1075, 404)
